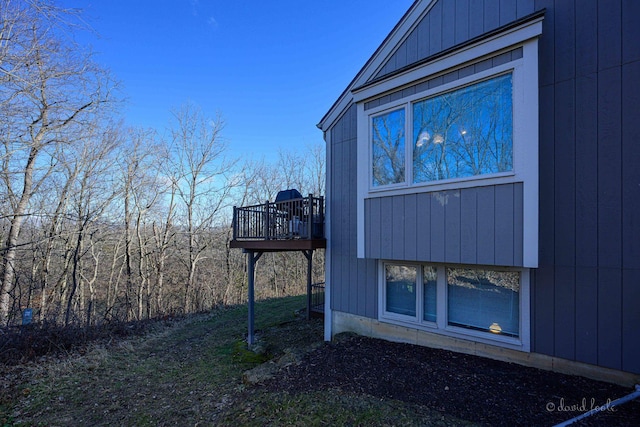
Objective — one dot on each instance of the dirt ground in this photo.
(467, 387)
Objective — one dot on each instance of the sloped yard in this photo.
(190, 372)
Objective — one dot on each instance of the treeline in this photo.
(99, 221)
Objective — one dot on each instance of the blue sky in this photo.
(271, 69)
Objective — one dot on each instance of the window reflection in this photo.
(484, 300)
(465, 132)
(388, 148)
(401, 289)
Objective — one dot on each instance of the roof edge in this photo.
(371, 59)
(525, 19)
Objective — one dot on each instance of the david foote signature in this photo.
(583, 406)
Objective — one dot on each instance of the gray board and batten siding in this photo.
(353, 279)
(585, 294)
(479, 225)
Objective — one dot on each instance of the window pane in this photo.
(484, 300)
(401, 289)
(465, 132)
(388, 149)
(430, 283)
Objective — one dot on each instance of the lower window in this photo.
(482, 302)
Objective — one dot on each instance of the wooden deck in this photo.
(292, 225)
(279, 245)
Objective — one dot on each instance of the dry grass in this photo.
(187, 372)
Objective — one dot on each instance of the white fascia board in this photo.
(498, 42)
(529, 129)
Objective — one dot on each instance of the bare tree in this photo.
(200, 172)
(49, 92)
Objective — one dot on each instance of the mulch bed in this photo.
(468, 387)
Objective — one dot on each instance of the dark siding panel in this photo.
(373, 216)
(504, 237)
(586, 37)
(401, 56)
(357, 289)
(476, 23)
(565, 320)
(437, 226)
(587, 315)
(546, 45)
(469, 228)
(412, 47)
(344, 288)
(452, 227)
(565, 41)
(348, 302)
(491, 14)
(543, 323)
(609, 176)
(448, 23)
(410, 227)
(507, 11)
(386, 230)
(524, 7)
(546, 171)
(398, 219)
(462, 21)
(630, 31)
(586, 171)
(475, 225)
(423, 233)
(435, 28)
(518, 224)
(370, 279)
(336, 223)
(631, 166)
(352, 200)
(423, 38)
(631, 320)
(360, 283)
(609, 34)
(609, 318)
(486, 225)
(336, 283)
(565, 185)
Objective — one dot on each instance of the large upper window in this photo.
(461, 133)
(465, 132)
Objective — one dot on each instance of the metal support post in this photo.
(252, 259)
(309, 256)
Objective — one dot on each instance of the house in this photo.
(483, 187)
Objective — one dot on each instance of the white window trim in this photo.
(408, 186)
(441, 326)
(525, 128)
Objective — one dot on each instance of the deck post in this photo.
(235, 223)
(252, 259)
(309, 256)
(267, 222)
(310, 217)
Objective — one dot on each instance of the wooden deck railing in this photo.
(301, 218)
